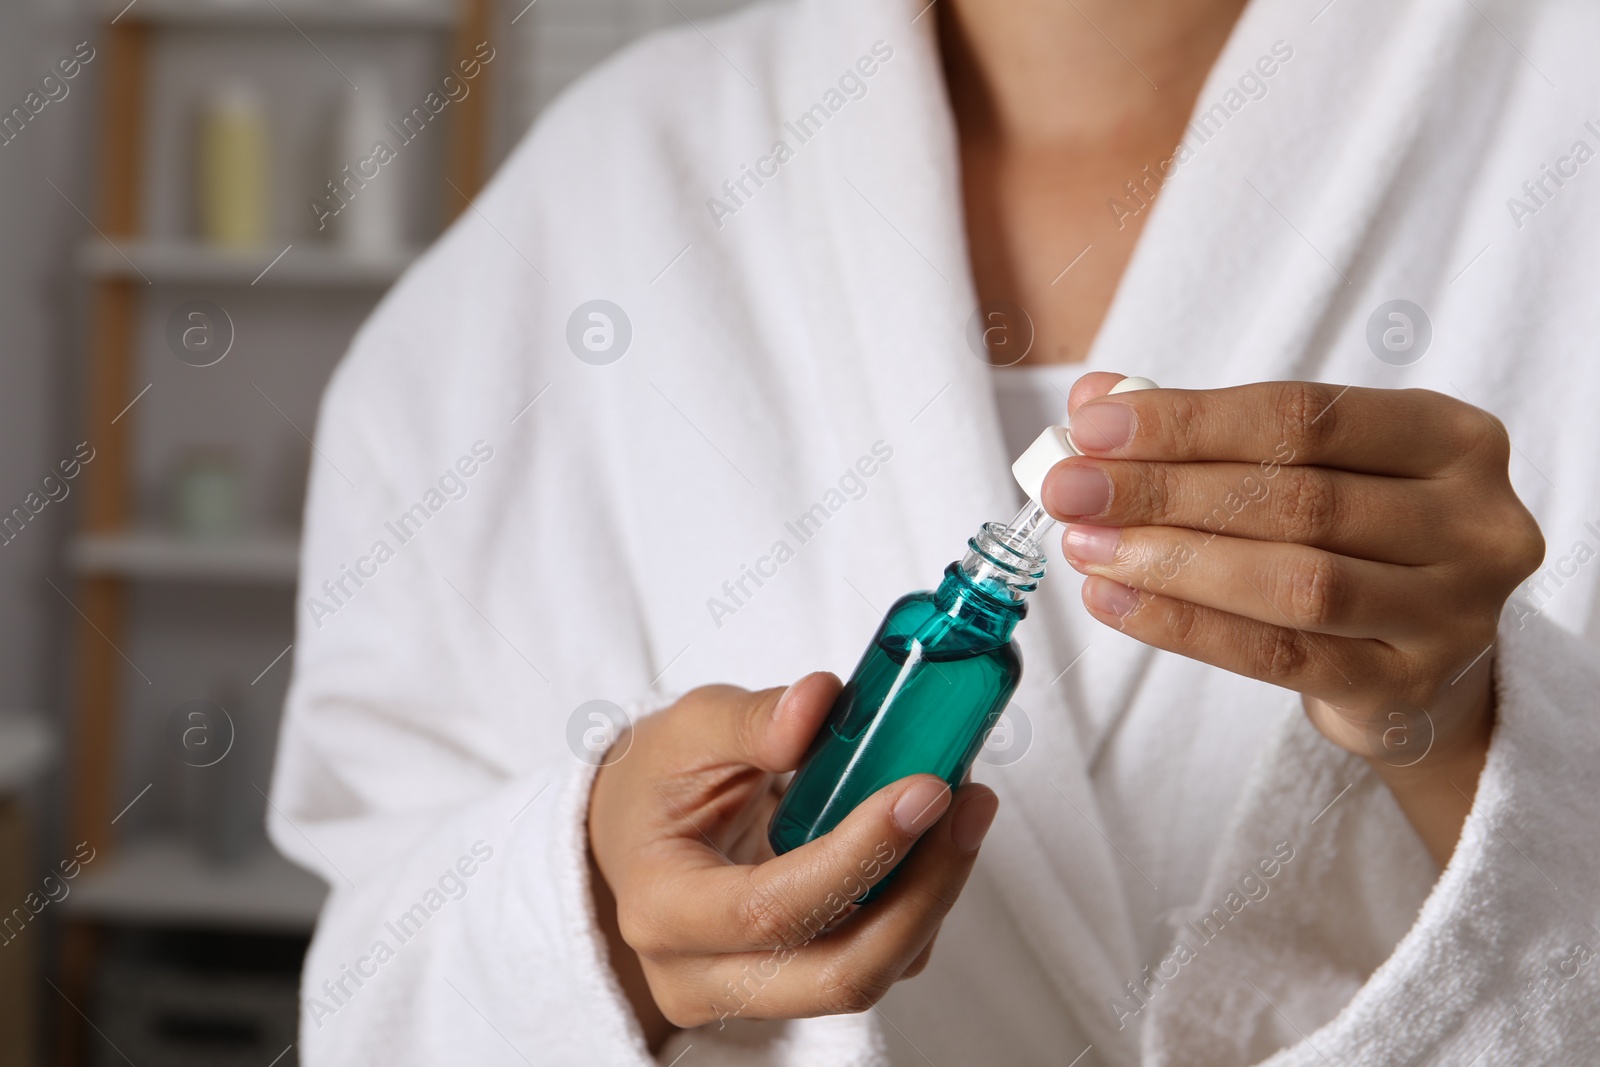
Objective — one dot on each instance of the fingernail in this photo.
(1077, 491)
(920, 807)
(972, 821)
(1091, 544)
(1111, 598)
(1102, 427)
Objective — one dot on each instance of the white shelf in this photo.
(152, 554)
(165, 881)
(191, 263)
(295, 14)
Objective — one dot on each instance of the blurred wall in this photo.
(38, 344)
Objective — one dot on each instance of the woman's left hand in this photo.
(1354, 545)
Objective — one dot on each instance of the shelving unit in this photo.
(163, 881)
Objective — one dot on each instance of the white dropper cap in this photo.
(1049, 448)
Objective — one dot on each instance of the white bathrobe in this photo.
(500, 532)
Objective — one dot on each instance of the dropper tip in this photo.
(1030, 523)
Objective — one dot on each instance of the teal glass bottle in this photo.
(928, 689)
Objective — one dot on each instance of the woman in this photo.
(694, 391)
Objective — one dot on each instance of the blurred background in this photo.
(193, 224)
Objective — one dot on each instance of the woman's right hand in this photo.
(706, 924)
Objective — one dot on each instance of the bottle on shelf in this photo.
(370, 223)
(233, 160)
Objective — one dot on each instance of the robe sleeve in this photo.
(1361, 950)
(422, 769)
(459, 927)
(1502, 962)
(426, 768)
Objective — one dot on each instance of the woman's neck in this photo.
(1028, 72)
(1058, 104)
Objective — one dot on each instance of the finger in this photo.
(853, 967)
(1336, 669)
(709, 906)
(849, 969)
(1411, 432)
(1393, 520)
(770, 729)
(920, 964)
(1091, 386)
(748, 830)
(1285, 585)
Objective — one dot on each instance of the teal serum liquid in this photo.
(934, 681)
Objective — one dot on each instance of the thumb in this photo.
(769, 729)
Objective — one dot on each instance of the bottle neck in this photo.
(988, 588)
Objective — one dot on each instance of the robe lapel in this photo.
(1253, 251)
(1255, 257)
(888, 271)
(1257, 242)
